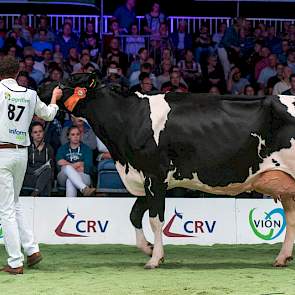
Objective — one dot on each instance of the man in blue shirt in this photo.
(125, 14)
(42, 44)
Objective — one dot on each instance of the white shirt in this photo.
(280, 87)
(17, 107)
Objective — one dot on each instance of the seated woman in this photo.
(40, 167)
(87, 135)
(74, 160)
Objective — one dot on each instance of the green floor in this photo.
(116, 269)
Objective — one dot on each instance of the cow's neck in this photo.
(105, 115)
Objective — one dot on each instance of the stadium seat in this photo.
(108, 179)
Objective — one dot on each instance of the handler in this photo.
(17, 107)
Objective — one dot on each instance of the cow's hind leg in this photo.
(285, 254)
(136, 215)
(156, 192)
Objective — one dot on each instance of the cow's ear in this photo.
(95, 79)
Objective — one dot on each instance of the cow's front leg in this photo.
(156, 192)
(285, 254)
(139, 208)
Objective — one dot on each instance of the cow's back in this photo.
(214, 136)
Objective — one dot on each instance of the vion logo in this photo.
(81, 226)
(269, 226)
(187, 228)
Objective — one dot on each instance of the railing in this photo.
(193, 22)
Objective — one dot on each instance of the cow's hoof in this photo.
(150, 266)
(282, 262)
(153, 266)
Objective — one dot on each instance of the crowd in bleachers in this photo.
(239, 59)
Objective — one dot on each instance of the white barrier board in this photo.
(187, 221)
(260, 221)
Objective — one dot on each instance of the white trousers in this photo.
(72, 180)
(13, 164)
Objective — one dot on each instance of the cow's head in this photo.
(79, 87)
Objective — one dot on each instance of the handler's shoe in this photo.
(13, 270)
(34, 259)
(88, 191)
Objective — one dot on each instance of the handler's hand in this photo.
(57, 93)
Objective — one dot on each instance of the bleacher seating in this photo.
(108, 179)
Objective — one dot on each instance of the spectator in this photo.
(41, 44)
(229, 46)
(165, 74)
(73, 58)
(3, 29)
(153, 20)
(55, 75)
(284, 52)
(66, 40)
(94, 50)
(214, 90)
(235, 83)
(85, 59)
(254, 57)
(247, 44)
(12, 51)
(88, 33)
(74, 161)
(58, 62)
(142, 58)
(249, 90)
(263, 62)
(291, 60)
(147, 68)
(191, 71)
(213, 74)
(202, 44)
(43, 25)
(40, 167)
(26, 30)
(53, 129)
(14, 39)
(88, 68)
(181, 40)
(116, 77)
(43, 65)
(167, 55)
(268, 71)
(33, 73)
(145, 84)
(125, 15)
(174, 85)
(291, 91)
(218, 36)
(23, 79)
(272, 81)
(103, 152)
(134, 42)
(86, 134)
(114, 31)
(115, 54)
(273, 42)
(283, 85)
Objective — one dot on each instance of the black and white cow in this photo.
(217, 144)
